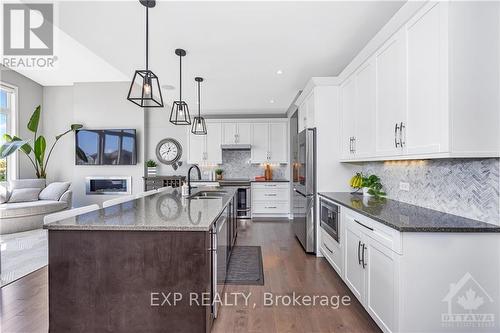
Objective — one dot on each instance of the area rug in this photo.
(245, 266)
(22, 253)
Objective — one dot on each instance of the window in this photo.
(8, 167)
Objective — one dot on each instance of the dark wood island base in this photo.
(102, 281)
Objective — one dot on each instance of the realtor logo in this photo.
(28, 29)
(468, 305)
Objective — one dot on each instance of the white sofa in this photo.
(24, 216)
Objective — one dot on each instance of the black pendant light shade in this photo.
(199, 126)
(145, 88)
(179, 115)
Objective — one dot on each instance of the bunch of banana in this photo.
(356, 181)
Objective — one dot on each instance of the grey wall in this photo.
(30, 95)
(465, 187)
(95, 105)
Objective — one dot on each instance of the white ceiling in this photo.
(236, 46)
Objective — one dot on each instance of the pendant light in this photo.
(180, 111)
(199, 126)
(145, 88)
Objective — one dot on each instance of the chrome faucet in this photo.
(189, 176)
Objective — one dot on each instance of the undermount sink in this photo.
(208, 195)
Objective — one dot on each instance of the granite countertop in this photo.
(164, 211)
(408, 218)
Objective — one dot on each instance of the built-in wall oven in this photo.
(329, 218)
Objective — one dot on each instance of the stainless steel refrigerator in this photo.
(304, 189)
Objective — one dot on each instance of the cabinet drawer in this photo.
(270, 207)
(271, 194)
(386, 236)
(331, 250)
(269, 185)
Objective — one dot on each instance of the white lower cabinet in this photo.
(413, 281)
(370, 270)
(270, 199)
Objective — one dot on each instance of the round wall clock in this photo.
(168, 151)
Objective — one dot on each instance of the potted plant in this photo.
(151, 168)
(372, 186)
(39, 160)
(218, 174)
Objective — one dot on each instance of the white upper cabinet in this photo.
(358, 101)
(365, 110)
(236, 133)
(427, 115)
(229, 133)
(434, 90)
(391, 96)
(348, 106)
(213, 142)
(206, 149)
(278, 138)
(268, 139)
(306, 112)
(310, 110)
(244, 133)
(270, 142)
(260, 142)
(302, 116)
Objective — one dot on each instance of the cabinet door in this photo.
(278, 139)
(196, 149)
(391, 94)
(260, 142)
(310, 111)
(229, 133)
(426, 62)
(213, 142)
(348, 105)
(302, 116)
(364, 143)
(354, 272)
(381, 284)
(244, 135)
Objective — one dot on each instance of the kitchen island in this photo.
(148, 265)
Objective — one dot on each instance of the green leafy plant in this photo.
(374, 186)
(39, 160)
(219, 171)
(151, 164)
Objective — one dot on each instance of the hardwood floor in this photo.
(287, 269)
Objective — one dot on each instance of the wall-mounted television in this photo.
(105, 147)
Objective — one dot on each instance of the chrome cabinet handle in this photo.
(271, 207)
(269, 195)
(353, 144)
(401, 127)
(359, 254)
(326, 247)
(363, 256)
(396, 129)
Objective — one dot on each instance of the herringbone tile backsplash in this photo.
(465, 187)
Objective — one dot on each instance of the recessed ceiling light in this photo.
(271, 101)
(279, 72)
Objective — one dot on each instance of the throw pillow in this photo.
(24, 195)
(54, 191)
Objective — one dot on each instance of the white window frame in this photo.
(12, 128)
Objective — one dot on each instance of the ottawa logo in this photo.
(468, 305)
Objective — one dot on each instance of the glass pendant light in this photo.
(180, 111)
(145, 88)
(199, 127)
